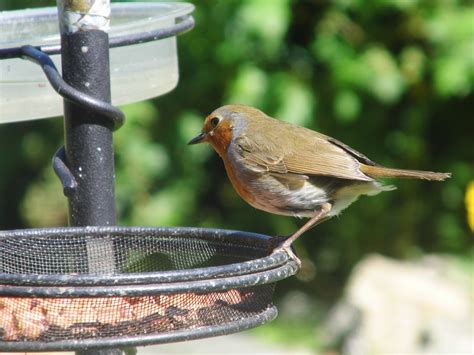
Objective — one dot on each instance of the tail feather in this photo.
(381, 172)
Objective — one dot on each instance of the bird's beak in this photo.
(198, 139)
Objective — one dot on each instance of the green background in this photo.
(393, 79)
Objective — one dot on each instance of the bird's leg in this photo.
(319, 217)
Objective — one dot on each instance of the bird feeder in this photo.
(94, 285)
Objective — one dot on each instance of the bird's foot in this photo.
(288, 249)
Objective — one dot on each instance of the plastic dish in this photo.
(138, 72)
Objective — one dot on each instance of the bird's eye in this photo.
(215, 121)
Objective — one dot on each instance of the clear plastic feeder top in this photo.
(138, 71)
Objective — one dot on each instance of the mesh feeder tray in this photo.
(155, 285)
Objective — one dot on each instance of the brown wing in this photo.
(260, 157)
(322, 157)
(310, 153)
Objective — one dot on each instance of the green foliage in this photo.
(392, 79)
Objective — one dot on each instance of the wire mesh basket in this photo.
(94, 287)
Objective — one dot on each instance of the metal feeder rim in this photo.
(184, 24)
(161, 338)
(210, 285)
(252, 272)
(137, 278)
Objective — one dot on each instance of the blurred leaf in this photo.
(266, 20)
(45, 195)
(412, 64)
(248, 87)
(386, 82)
(296, 101)
(161, 207)
(451, 29)
(450, 76)
(347, 106)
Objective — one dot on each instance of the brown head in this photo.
(220, 125)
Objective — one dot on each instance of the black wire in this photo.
(63, 173)
(70, 93)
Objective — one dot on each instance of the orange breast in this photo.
(240, 187)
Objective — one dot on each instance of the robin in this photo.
(289, 170)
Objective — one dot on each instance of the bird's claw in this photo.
(289, 251)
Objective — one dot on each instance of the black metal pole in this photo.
(88, 135)
(89, 149)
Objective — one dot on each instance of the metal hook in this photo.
(64, 174)
(69, 93)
